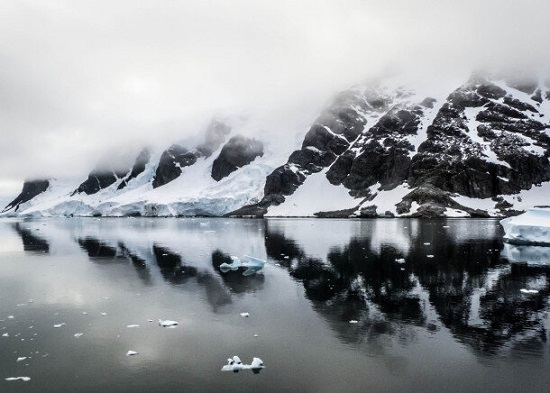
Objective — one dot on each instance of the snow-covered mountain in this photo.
(376, 150)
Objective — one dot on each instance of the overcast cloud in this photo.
(80, 78)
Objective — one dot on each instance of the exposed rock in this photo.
(236, 153)
(97, 180)
(171, 164)
(139, 166)
(31, 188)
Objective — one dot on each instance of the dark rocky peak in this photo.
(381, 154)
(215, 136)
(481, 144)
(139, 166)
(31, 188)
(236, 153)
(100, 179)
(171, 164)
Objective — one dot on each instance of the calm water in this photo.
(450, 317)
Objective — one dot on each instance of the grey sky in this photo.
(79, 78)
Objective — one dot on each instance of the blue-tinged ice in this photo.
(251, 264)
(531, 227)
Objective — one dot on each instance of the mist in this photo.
(89, 79)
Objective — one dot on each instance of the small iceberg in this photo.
(24, 379)
(235, 364)
(529, 291)
(168, 323)
(251, 264)
(531, 227)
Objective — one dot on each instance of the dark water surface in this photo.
(438, 306)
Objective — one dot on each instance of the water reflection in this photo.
(395, 278)
(31, 242)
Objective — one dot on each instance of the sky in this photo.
(85, 80)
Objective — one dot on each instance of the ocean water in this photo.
(396, 305)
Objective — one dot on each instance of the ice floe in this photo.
(168, 323)
(529, 291)
(531, 227)
(251, 264)
(24, 379)
(235, 364)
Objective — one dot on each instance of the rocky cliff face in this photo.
(31, 188)
(488, 139)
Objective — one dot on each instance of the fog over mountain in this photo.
(83, 81)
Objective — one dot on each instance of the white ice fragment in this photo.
(167, 323)
(532, 227)
(78, 335)
(132, 326)
(59, 325)
(24, 379)
(21, 358)
(131, 353)
(353, 321)
(245, 314)
(235, 364)
(529, 291)
(400, 260)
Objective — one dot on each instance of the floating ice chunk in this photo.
(131, 353)
(168, 323)
(24, 379)
(235, 364)
(78, 335)
(531, 227)
(245, 314)
(529, 291)
(21, 358)
(252, 264)
(400, 260)
(58, 325)
(353, 321)
(132, 326)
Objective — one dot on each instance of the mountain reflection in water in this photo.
(453, 274)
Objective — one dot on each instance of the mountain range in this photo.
(376, 150)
